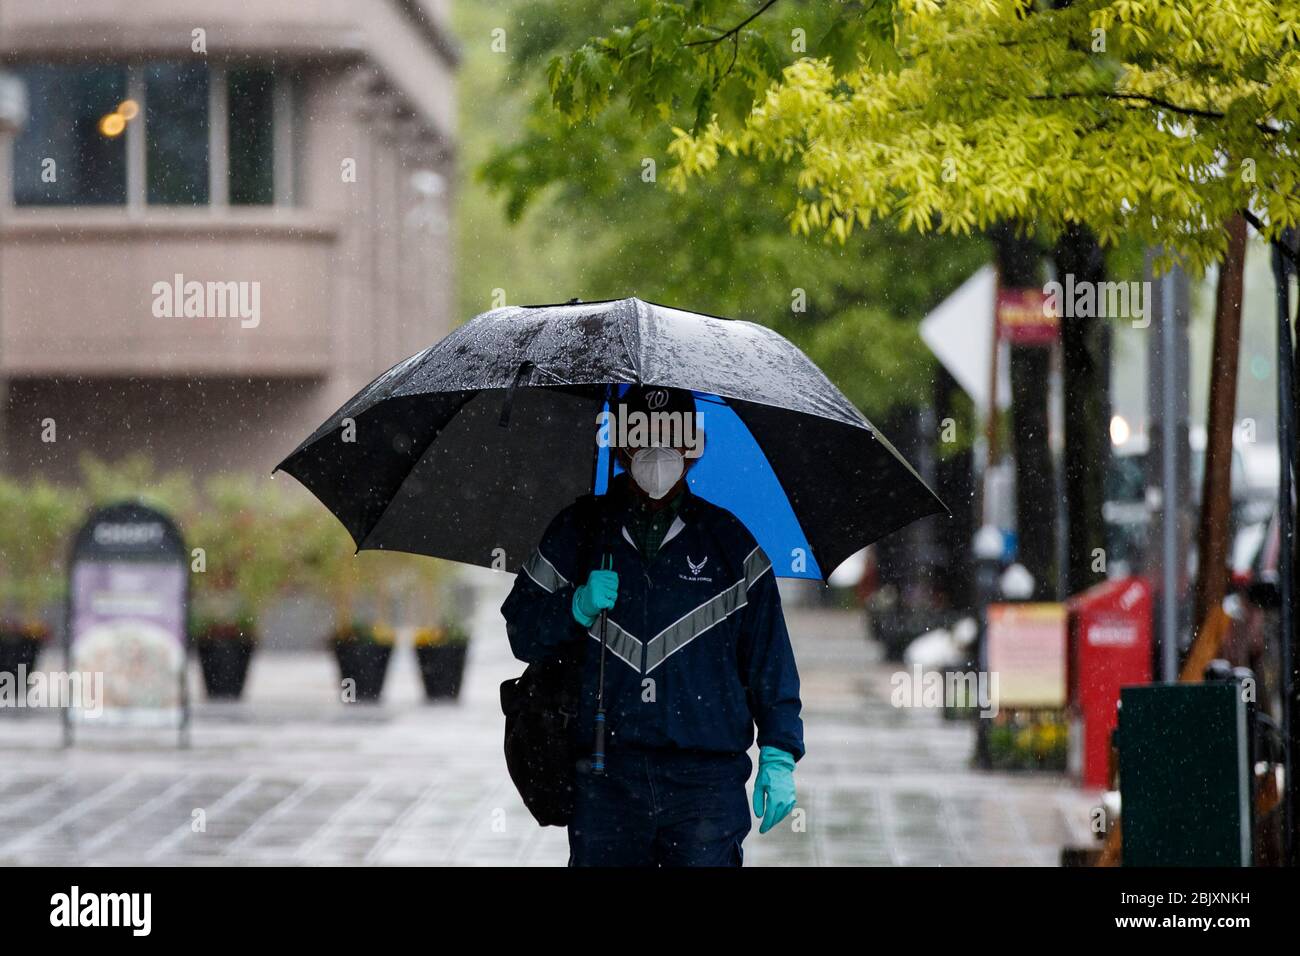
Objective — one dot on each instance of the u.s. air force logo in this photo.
(695, 569)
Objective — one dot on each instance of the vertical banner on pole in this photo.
(128, 602)
(1026, 317)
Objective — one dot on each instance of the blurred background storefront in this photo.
(296, 153)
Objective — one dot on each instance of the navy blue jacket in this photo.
(698, 649)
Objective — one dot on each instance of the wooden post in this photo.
(1216, 486)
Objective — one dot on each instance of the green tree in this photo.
(1085, 122)
(1154, 119)
(723, 246)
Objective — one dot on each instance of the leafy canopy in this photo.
(598, 228)
(1153, 120)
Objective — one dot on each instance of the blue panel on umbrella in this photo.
(735, 474)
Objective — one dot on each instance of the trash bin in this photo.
(1184, 772)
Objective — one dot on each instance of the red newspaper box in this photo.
(1110, 648)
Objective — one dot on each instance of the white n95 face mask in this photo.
(656, 470)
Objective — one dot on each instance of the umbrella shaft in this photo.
(598, 750)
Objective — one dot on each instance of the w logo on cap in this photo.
(656, 398)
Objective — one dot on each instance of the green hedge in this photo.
(252, 541)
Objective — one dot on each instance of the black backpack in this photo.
(541, 709)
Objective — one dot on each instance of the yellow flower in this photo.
(429, 636)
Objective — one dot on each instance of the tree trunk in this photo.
(1019, 262)
(1085, 347)
(1216, 487)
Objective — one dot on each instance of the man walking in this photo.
(698, 653)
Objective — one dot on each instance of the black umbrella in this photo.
(466, 450)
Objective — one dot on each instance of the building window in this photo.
(163, 133)
(72, 151)
(176, 134)
(250, 102)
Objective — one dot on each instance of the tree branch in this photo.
(734, 31)
(1151, 101)
(1259, 227)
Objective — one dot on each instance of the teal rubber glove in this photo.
(598, 594)
(773, 787)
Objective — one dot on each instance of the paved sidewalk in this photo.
(291, 775)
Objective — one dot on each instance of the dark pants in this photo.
(661, 809)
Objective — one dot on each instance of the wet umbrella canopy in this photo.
(466, 450)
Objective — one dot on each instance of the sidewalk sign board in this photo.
(1027, 650)
(128, 604)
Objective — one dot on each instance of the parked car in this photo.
(1127, 511)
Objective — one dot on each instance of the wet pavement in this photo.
(291, 775)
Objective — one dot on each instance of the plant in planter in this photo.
(441, 652)
(244, 566)
(225, 645)
(379, 586)
(420, 589)
(34, 539)
(331, 566)
(363, 652)
(20, 646)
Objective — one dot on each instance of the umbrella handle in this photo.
(598, 752)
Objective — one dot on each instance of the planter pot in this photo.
(224, 661)
(366, 664)
(19, 649)
(441, 669)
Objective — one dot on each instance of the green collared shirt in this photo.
(648, 527)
